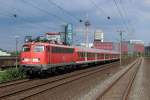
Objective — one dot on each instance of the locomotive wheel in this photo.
(30, 75)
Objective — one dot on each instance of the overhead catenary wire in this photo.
(45, 11)
(121, 14)
(100, 9)
(128, 21)
(65, 11)
(31, 22)
(18, 16)
(15, 15)
(34, 24)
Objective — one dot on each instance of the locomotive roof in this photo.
(46, 44)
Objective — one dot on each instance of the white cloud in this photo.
(147, 2)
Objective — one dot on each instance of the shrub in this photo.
(12, 74)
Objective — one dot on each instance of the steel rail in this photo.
(120, 77)
(127, 91)
(13, 82)
(57, 82)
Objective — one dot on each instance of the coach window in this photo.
(107, 56)
(83, 54)
(94, 54)
(91, 55)
(79, 54)
(88, 55)
(114, 56)
(101, 56)
(98, 55)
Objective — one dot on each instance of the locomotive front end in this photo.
(32, 58)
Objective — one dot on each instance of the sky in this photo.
(19, 18)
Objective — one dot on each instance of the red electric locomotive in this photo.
(41, 57)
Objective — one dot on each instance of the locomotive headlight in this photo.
(25, 60)
(36, 60)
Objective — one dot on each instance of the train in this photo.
(44, 57)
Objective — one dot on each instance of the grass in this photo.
(11, 74)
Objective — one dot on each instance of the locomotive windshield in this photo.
(38, 48)
(26, 48)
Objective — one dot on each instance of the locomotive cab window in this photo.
(39, 48)
(26, 48)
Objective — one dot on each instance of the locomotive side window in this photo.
(38, 48)
(62, 50)
(26, 48)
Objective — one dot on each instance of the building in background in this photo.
(103, 45)
(62, 37)
(53, 36)
(69, 34)
(127, 47)
(131, 47)
(124, 47)
(147, 51)
(83, 45)
(99, 36)
(137, 47)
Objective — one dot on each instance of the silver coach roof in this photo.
(78, 48)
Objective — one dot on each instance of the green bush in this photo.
(11, 74)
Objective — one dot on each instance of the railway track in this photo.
(120, 88)
(32, 88)
(13, 82)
